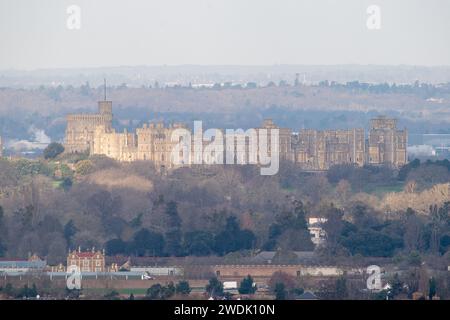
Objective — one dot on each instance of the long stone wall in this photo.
(311, 149)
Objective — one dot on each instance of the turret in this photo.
(105, 107)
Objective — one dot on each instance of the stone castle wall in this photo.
(386, 144)
(319, 150)
(311, 149)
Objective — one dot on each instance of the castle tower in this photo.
(387, 145)
(105, 106)
(81, 128)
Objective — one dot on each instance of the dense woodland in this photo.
(60, 202)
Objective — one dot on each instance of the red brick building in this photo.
(87, 261)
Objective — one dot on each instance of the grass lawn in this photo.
(381, 190)
(124, 291)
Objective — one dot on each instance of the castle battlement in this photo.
(311, 149)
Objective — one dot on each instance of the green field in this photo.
(381, 190)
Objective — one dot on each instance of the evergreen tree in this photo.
(214, 287)
(53, 150)
(69, 231)
(247, 286)
(183, 288)
(173, 235)
(280, 291)
(432, 288)
(341, 288)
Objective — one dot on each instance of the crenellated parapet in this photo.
(81, 127)
(314, 150)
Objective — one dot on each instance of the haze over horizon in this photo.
(222, 33)
(224, 66)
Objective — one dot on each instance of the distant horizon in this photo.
(198, 74)
(324, 65)
(63, 34)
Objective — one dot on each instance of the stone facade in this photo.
(319, 150)
(311, 149)
(119, 146)
(81, 128)
(285, 139)
(386, 144)
(154, 143)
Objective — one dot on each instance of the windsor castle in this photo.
(312, 150)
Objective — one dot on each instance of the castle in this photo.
(312, 150)
(319, 150)
(81, 128)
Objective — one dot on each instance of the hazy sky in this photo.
(33, 33)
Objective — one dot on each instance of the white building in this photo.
(318, 234)
(159, 271)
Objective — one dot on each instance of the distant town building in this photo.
(87, 261)
(240, 271)
(59, 268)
(268, 257)
(14, 266)
(159, 271)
